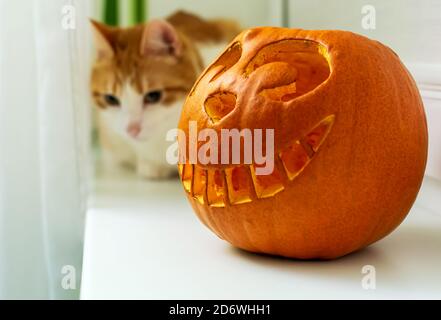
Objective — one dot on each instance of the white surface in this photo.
(144, 242)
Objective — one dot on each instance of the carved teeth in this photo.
(267, 186)
(199, 184)
(294, 159)
(318, 135)
(181, 169)
(187, 177)
(215, 189)
(240, 184)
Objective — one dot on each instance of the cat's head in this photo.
(141, 75)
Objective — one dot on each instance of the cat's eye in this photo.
(111, 100)
(153, 97)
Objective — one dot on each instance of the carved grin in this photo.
(238, 185)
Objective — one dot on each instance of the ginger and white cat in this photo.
(139, 82)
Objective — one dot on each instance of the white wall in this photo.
(248, 12)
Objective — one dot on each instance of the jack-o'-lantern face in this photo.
(286, 69)
(318, 93)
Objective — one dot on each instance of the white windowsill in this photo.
(144, 242)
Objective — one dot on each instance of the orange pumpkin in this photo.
(350, 142)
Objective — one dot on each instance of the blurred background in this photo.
(51, 181)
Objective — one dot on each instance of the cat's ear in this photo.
(161, 38)
(102, 40)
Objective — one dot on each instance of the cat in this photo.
(140, 79)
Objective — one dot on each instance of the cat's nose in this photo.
(134, 129)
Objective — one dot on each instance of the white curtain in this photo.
(43, 147)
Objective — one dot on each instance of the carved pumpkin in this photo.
(350, 142)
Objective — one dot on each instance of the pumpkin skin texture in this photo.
(350, 141)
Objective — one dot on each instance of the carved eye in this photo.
(226, 61)
(111, 100)
(230, 57)
(298, 65)
(219, 105)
